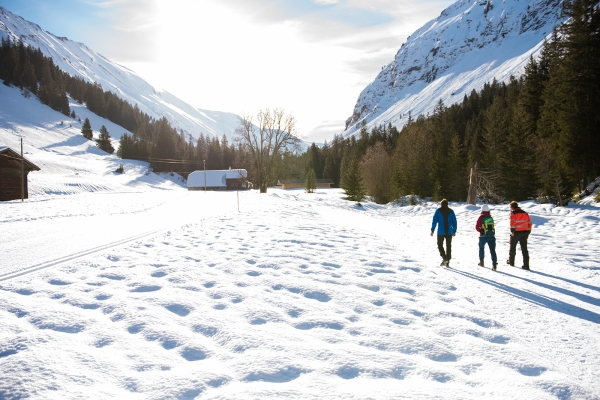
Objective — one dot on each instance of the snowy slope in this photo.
(69, 163)
(79, 60)
(177, 295)
(471, 43)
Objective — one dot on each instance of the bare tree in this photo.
(273, 134)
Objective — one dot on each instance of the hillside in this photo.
(471, 43)
(78, 60)
(70, 164)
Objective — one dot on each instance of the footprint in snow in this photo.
(193, 354)
(283, 375)
(144, 289)
(178, 309)
(113, 277)
(58, 282)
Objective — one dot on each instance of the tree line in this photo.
(151, 140)
(536, 136)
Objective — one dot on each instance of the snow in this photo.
(69, 163)
(80, 61)
(130, 286)
(216, 178)
(295, 295)
(454, 54)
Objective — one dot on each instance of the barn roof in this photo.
(8, 153)
(214, 177)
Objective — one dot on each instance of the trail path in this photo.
(295, 296)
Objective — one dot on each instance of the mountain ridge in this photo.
(471, 43)
(77, 59)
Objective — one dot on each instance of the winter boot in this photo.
(443, 264)
(494, 267)
(525, 267)
(480, 263)
(509, 263)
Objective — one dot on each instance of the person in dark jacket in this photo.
(487, 234)
(445, 220)
(520, 228)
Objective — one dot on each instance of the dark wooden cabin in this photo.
(10, 174)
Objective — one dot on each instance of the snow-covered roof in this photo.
(214, 178)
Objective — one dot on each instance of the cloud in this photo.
(325, 131)
(311, 57)
(127, 32)
(325, 2)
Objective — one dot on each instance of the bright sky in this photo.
(311, 57)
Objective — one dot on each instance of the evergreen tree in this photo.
(126, 146)
(28, 78)
(314, 160)
(576, 81)
(518, 160)
(352, 181)
(103, 142)
(311, 181)
(457, 174)
(86, 130)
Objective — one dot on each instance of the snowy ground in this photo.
(295, 295)
(129, 286)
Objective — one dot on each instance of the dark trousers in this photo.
(491, 242)
(446, 255)
(521, 238)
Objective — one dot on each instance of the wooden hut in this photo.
(301, 183)
(10, 174)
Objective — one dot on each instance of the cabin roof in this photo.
(8, 153)
(214, 177)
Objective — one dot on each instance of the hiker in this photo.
(445, 219)
(520, 228)
(487, 232)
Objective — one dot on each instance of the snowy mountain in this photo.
(70, 164)
(471, 43)
(79, 60)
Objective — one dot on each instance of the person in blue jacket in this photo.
(445, 220)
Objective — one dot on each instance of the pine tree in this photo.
(352, 181)
(28, 78)
(314, 160)
(126, 146)
(311, 181)
(518, 160)
(103, 142)
(86, 130)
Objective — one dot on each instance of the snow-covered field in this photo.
(295, 295)
(129, 286)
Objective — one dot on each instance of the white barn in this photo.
(220, 179)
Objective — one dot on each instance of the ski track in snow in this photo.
(304, 297)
